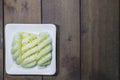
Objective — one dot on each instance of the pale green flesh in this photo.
(31, 53)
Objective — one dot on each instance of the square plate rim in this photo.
(5, 30)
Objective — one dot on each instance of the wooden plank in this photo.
(99, 39)
(1, 39)
(22, 11)
(65, 14)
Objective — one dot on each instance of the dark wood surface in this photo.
(87, 35)
(1, 41)
(99, 39)
(65, 14)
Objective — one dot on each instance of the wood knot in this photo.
(69, 38)
(25, 6)
(15, 0)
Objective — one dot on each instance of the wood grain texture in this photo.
(65, 14)
(1, 24)
(99, 39)
(22, 11)
(1, 39)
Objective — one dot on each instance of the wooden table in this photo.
(87, 35)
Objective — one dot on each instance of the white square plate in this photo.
(10, 65)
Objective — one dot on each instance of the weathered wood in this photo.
(1, 39)
(22, 11)
(99, 39)
(65, 14)
(1, 62)
(99, 35)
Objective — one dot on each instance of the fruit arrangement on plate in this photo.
(29, 50)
